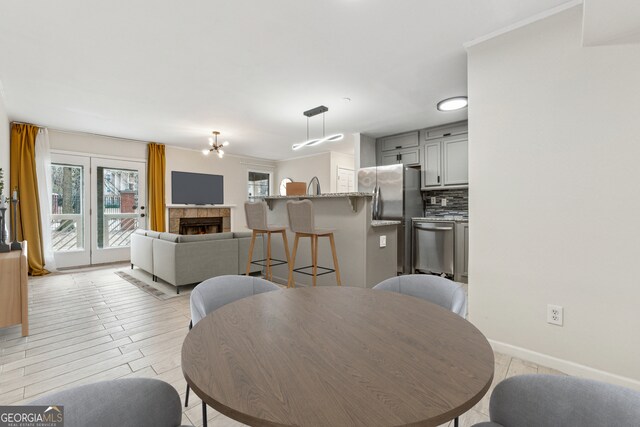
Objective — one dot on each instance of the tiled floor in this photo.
(89, 325)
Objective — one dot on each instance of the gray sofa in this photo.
(187, 259)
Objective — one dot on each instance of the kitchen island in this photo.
(363, 263)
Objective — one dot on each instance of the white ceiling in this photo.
(172, 71)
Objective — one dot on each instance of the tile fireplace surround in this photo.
(176, 213)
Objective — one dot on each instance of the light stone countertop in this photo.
(382, 223)
(320, 196)
(456, 218)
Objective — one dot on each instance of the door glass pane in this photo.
(67, 207)
(117, 206)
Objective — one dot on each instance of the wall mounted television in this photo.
(196, 188)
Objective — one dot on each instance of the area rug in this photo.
(160, 289)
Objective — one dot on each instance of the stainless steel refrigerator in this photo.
(396, 190)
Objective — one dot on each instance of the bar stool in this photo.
(301, 222)
(256, 215)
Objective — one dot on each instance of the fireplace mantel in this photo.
(197, 211)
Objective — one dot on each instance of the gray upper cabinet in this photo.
(399, 142)
(431, 171)
(399, 149)
(445, 156)
(445, 162)
(455, 158)
(446, 130)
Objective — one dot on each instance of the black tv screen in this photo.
(196, 188)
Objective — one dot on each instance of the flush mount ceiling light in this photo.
(452, 104)
(317, 141)
(213, 142)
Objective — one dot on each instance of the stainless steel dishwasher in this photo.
(433, 247)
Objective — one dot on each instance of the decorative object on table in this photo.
(314, 187)
(15, 245)
(316, 141)
(215, 146)
(296, 188)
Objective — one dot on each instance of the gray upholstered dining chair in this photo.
(554, 400)
(140, 402)
(438, 290)
(213, 293)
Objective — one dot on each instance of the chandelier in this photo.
(215, 146)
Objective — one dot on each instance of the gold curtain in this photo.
(155, 183)
(23, 177)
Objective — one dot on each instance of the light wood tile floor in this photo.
(89, 325)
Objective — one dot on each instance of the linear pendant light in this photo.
(317, 141)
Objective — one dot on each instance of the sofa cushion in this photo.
(151, 233)
(186, 238)
(169, 237)
(141, 231)
(242, 234)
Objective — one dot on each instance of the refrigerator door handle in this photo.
(376, 202)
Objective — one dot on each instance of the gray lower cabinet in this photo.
(461, 263)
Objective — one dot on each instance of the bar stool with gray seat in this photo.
(302, 222)
(256, 215)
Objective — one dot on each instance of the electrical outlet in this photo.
(555, 314)
(383, 241)
(434, 201)
(443, 202)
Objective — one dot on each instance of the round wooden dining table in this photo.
(337, 356)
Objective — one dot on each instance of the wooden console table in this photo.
(14, 295)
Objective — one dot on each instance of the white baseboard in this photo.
(562, 365)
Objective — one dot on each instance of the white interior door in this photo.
(70, 231)
(346, 180)
(118, 202)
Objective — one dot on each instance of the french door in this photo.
(97, 204)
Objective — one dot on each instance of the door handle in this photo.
(438, 179)
(141, 215)
(434, 228)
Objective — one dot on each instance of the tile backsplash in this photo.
(457, 202)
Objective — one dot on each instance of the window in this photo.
(259, 185)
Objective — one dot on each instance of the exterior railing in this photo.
(67, 232)
(118, 228)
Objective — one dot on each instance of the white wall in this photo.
(554, 195)
(338, 160)
(97, 145)
(304, 168)
(4, 145)
(234, 169)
